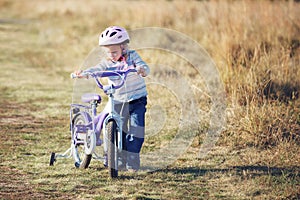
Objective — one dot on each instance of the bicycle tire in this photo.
(82, 160)
(111, 130)
(52, 159)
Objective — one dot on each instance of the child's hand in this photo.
(79, 74)
(141, 71)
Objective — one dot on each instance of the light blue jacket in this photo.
(134, 87)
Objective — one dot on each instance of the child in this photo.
(132, 99)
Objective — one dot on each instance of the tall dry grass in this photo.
(255, 45)
(256, 48)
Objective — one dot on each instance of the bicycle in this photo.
(86, 125)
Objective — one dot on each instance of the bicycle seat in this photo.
(88, 98)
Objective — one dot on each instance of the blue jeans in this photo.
(133, 114)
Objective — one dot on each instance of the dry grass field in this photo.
(256, 48)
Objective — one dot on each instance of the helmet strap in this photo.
(124, 50)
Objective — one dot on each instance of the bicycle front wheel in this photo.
(111, 130)
(80, 157)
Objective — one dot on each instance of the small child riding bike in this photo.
(131, 100)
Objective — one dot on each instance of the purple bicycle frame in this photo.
(94, 122)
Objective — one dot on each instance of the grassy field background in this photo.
(256, 48)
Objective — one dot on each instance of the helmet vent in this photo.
(106, 32)
(113, 33)
(118, 29)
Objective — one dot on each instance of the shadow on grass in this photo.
(242, 171)
(239, 170)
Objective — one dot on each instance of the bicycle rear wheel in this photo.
(111, 130)
(82, 160)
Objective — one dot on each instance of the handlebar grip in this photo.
(73, 76)
(82, 75)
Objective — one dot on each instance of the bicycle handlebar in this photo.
(101, 74)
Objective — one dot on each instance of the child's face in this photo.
(114, 52)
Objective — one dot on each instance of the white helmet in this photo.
(113, 35)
